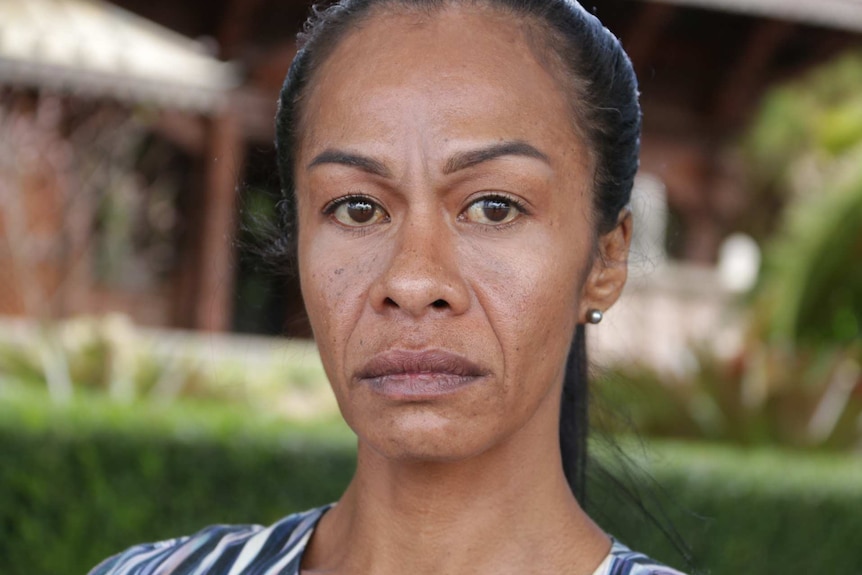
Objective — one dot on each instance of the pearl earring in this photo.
(594, 316)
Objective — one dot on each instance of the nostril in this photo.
(439, 304)
(389, 302)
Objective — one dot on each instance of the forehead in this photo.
(457, 73)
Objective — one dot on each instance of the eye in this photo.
(356, 211)
(493, 211)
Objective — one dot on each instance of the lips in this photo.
(414, 375)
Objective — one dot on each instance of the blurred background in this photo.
(156, 375)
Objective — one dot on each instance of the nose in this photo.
(423, 274)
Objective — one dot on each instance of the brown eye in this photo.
(356, 212)
(492, 211)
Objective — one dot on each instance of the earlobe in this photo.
(606, 279)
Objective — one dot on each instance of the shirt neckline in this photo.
(303, 534)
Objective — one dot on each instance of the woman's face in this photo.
(445, 232)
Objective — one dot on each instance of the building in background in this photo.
(108, 197)
(702, 63)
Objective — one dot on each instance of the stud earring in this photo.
(595, 316)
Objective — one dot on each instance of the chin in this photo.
(421, 435)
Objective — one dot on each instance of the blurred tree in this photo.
(806, 148)
(804, 137)
(796, 380)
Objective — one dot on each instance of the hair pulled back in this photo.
(605, 112)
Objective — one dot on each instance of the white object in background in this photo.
(650, 213)
(738, 263)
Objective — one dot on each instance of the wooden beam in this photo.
(255, 111)
(186, 131)
(213, 308)
(749, 72)
(235, 26)
(267, 72)
(820, 50)
(257, 101)
(643, 33)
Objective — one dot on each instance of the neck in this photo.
(506, 510)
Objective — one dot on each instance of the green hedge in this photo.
(81, 483)
(754, 511)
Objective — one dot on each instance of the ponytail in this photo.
(574, 414)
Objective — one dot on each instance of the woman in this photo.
(457, 174)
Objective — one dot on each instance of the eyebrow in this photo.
(459, 161)
(343, 158)
(470, 158)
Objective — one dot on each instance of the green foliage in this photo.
(782, 130)
(806, 146)
(768, 396)
(81, 482)
(804, 126)
(757, 511)
(796, 378)
(811, 288)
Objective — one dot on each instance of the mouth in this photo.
(418, 375)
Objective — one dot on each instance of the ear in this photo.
(609, 271)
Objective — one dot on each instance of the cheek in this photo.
(530, 293)
(333, 282)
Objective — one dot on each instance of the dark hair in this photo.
(605, 111)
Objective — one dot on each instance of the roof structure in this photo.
(94, 48)
(839, 14)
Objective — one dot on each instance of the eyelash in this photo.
(330, 208)
(333, 205)
(515, 203)
(518, 205)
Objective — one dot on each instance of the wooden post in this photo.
(642, 36)
(215, 268)
(736, 97)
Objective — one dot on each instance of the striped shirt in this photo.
(277, 550)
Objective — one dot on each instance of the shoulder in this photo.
(624, 561)
(219, 549)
